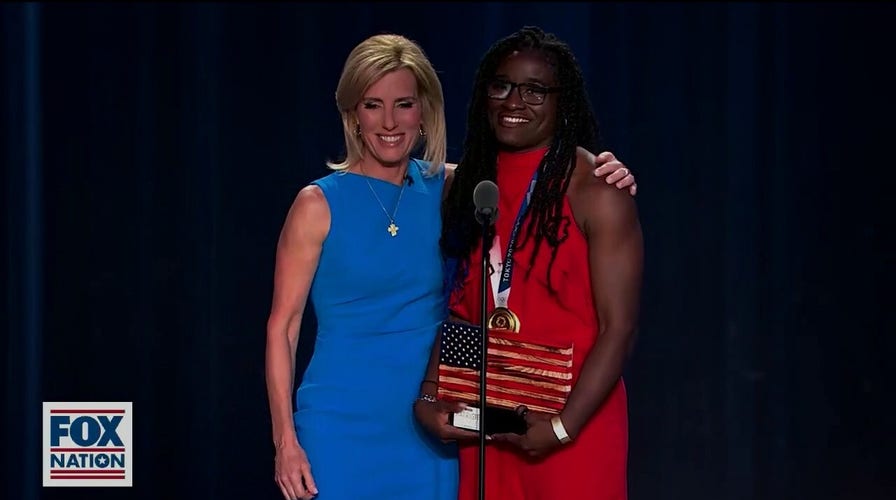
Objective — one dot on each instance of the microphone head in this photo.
(485, 198)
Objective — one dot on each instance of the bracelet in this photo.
(559, 430)
(427, 398)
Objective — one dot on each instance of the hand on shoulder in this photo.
(593, 200)
(612, 171)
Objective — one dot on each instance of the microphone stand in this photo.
(483, 355)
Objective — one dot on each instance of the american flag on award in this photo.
(520, 372)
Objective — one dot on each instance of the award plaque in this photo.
(497, 420)
(535, 373)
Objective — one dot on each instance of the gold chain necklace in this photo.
(392, 228)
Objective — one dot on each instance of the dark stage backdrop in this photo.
(151, 151)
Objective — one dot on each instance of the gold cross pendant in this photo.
(393, 229)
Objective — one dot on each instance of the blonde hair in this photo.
(368, 62)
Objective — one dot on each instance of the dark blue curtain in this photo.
(151, 151)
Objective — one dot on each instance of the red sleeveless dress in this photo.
(592, 467)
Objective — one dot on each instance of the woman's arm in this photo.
(609, 219)
(298, 253)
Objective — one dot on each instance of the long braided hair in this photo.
(577, 127)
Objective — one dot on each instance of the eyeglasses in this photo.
(530, 93)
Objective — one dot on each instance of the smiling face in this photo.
(389, 116)
(518, 125)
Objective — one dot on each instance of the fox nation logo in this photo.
(87, 444)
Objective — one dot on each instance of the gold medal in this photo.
(503, 320)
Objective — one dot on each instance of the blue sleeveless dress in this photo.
(379, 301)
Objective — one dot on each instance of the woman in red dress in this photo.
(577, 257)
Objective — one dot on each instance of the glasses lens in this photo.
(498, 89)
(533, 94)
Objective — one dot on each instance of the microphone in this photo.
(485, 198)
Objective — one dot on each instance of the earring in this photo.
(358, 129)
(422, 132)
